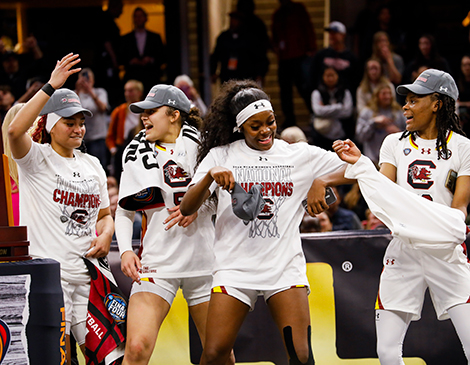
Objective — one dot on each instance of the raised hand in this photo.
(63, 69)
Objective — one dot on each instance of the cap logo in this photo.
(73, 101)
(151, 95)
(172, 102)
(422, 79)
(63, 100)
(442, 88)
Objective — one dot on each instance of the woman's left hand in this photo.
(100, 246)
(176, 217)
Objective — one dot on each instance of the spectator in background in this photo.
(309, 224)
(12, 75)
(236, 53)
(7, 99)
(392, 63)
(185, 83)
(372, 222)
(106, 63)
(373, 76)
(338, 56)
(142, 52)
(294, 42)
(427, 54)
(382, 116)
(463, 104)
(293, 135)
(342, 219)
(332, 106)
(95, 100)
(123, 126)
(257, 29)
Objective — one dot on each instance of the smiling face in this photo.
(259, 130)
(67, 134)
(159, 126)
(420, 113)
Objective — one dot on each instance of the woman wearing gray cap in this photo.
(431, 160)
(176, 251)
(63, 194)
(261, 253)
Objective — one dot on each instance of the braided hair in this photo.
(446, 120)
(217, 128)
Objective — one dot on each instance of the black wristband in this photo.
(48, 89)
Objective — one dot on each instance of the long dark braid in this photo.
(446, 120)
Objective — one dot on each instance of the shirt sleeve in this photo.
(387, 153)
(206, 164)
(30, 163)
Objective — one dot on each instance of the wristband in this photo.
(48, 89)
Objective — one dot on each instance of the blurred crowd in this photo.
(349, 92)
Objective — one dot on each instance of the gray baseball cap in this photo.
(160, 95)
(64, 102)
(431, 81)
(245, 205)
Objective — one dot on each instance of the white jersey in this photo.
(179, 252)
(266, 253)
(418, 168)
(60, 199)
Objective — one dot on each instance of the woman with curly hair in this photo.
(261, 256)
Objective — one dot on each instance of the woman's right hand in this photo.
(63, 69)
(223, 177)
(130, 265)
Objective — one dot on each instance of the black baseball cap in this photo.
(64, 102)
(245, 205)
(160, 95)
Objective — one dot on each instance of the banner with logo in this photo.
(343, 269)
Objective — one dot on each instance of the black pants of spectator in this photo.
(293, 72)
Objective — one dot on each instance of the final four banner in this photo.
(343, 269)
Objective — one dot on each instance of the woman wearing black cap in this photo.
(430, 159)
(63, 194)
(261, 254)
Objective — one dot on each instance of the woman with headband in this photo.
(63, 197)
(261, 256)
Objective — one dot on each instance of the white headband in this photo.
(250, 110)
(52, 119)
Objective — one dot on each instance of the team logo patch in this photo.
(116, 306)
(407, 151)
(5, 339)
(448, 155)
(144, 195)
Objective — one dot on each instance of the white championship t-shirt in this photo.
(266, 253)
(60, 199)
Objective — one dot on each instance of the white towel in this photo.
(141, 178)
